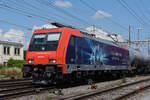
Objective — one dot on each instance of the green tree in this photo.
(10, 62)
(15, 63)
(24, 55)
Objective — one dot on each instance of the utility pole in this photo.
(129, 35)
(139, 33)
(148, 47)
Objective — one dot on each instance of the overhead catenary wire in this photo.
(21, 26)
(131, 11)
(135, 15)
(146, 11)
(145, 8)
(139, 7)
(24, 13)
(60, 16)
(49, 4)
(40, 10)
(20, 11)
(95, 10)
(24, 5)
(29, 14)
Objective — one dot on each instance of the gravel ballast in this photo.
(80, 89)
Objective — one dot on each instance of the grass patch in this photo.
(8, 73)
(124, 80)
(12, 70)
(118, 83)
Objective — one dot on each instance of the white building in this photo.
(10, 50)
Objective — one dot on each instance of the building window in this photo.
(6, 50)
(5, 63)
(17, 51)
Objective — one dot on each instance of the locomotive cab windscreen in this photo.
(45, 41)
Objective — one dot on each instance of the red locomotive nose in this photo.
(43, 58)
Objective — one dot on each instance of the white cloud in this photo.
(1, 32)
(14, 35)
(101, 14)
(63, 3)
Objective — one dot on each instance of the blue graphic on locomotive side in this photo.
(96, 55)
(86, 51)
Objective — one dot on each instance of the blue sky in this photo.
(31, 13)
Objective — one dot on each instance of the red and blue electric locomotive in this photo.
(66, 54)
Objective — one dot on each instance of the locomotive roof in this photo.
(103, 41)
(45, 30)
(85, 34)
(90, 36)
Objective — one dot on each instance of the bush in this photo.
(124, 79)
(15, 63)
(24, 54)
(2, 66)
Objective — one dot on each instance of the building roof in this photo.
(11, 43)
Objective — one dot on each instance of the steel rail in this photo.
(15, 80)
(131, 93)
(22, 91)
(15, 83)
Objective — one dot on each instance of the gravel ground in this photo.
(79, 89)
(111, 95)
(42, 96)
(101, 85)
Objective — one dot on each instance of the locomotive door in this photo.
(74, 52)
(78, 50)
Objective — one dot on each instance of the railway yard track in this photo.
(14, 83)
(16, 88)
(114, 93)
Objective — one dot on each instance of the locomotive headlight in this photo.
(31, 61)
(52, 61)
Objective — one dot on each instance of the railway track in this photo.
(16, 88)
(15, 80)
(129, 94)
(14, 83)
(22, 91)
(115, 93)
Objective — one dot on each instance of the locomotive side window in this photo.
(72, 41)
